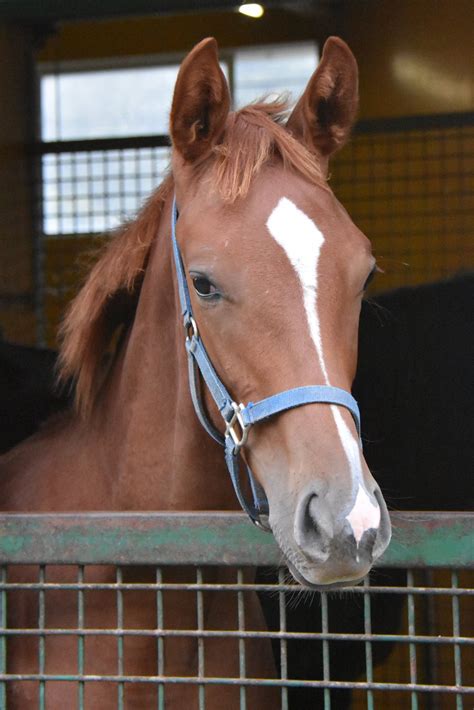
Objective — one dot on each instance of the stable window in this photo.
(117, 118)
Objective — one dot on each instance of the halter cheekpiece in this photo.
(238, 418)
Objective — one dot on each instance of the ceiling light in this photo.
(252, 9)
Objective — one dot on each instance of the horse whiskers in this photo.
(380, 310)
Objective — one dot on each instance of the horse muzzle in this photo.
(330, 549)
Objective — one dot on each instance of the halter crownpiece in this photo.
(238, 418)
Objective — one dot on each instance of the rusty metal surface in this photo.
(419, 539)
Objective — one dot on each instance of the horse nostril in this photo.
(368, 541)
(313, 528)
(309, 525)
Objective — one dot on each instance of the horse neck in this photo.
(150, 434)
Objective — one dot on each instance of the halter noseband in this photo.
(239, 418)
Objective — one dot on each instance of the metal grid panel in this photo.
(89, 187)
(434, 642)
(408, 183)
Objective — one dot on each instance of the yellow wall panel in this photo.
(415, 56)
(66, 263)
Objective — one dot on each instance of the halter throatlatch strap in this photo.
(238, 418)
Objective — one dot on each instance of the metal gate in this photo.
(433, 553)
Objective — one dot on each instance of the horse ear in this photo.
(325, 114)
(201, 102)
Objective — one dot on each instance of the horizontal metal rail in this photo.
(431, 539)
(232, 633)
(85, 145)
(423, 122)
(217, 587)
(275, 682)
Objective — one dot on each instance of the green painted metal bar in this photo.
(200, 640)
(3, 639)
(326, 657)
(283, 646)
(42, 639)
(419, 539)
(430, 651)
(120, 665)
(368, 646)
(80, 639)
(456, 632)
(411, 646)
(160, 640)
(242, 653)
(326, 651)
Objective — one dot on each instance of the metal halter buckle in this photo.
(239, 438)
(190, 327)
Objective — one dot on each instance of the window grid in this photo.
(89, 192)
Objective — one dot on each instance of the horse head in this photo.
(276, 271)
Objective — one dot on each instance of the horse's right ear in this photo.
(201, 102)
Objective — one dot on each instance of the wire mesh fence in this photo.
(409, 185)
(102, 630)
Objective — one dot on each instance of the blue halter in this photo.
(239, 418)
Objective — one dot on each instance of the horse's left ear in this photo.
(201, 102)
(325, 114)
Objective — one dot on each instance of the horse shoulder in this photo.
(51, 470)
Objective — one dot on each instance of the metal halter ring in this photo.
(190, 327)
(239, 438)
(261, 524)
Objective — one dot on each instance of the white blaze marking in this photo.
(349, 444)
(302, 241)
(364, 515)
(298, 235)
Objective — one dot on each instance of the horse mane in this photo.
(254, 137)
(107, 300)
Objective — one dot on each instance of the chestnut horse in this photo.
(274, 272)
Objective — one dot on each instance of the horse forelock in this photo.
(107, 301)
(255, 136)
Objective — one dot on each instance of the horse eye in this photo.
(204, 287)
